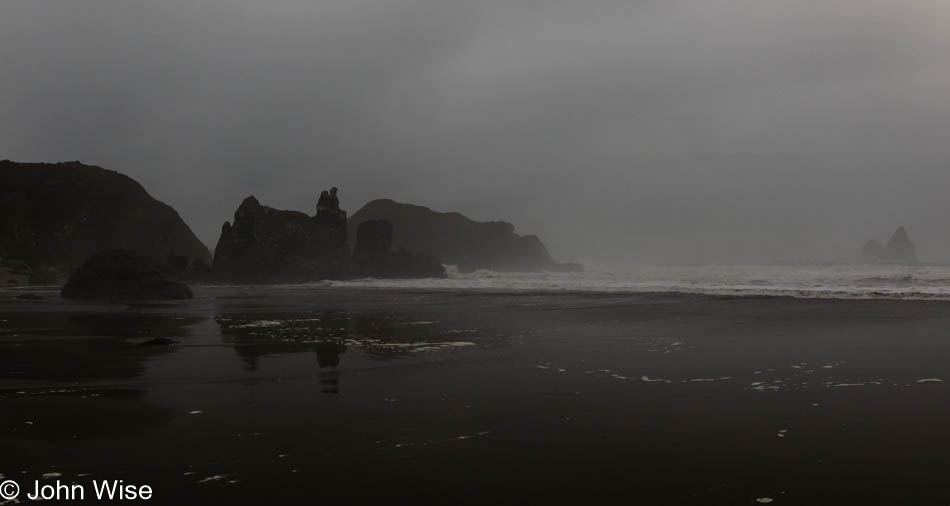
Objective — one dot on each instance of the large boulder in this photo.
(267, 245)
(52, 216)
(457, 240)
(374, 256)
(122, 275)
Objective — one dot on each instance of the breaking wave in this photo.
(920, 282)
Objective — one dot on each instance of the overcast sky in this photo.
(619, 131)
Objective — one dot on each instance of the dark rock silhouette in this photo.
(374, 256)
(899, 249)
(52, 216)
(267, 245)
(122, 275)
(457, 240)
(328, 208)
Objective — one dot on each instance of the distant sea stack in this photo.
(267, 245)
(899, 249)
(54, 215)
(454, 239)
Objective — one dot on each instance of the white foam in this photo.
(802, 281)
(259, 324)
(930, 380)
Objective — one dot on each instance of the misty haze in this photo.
(493, 252)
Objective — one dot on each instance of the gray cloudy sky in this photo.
(619, 131)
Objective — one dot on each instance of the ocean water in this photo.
(838, 281)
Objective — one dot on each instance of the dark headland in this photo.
(54, 217)
(458, 240)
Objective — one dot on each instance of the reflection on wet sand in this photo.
(63, 414)
(378, 334)
(85, 347)
(328, 334)
(62, 372)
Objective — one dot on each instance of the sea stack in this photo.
(899, 249)
(872, 251)
(267, 245)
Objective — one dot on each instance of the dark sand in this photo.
(303, 396)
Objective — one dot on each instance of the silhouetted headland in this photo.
(54, 215)
(455, 239)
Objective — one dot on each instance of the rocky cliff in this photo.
(375, 257)
(52, 216)
(457, 240)
(269, 245)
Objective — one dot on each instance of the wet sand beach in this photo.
(305, 395)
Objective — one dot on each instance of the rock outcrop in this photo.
(267, 245)
(52, 216)
(374, 257)
(457, 240)
(899, 249)
(122, 275)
